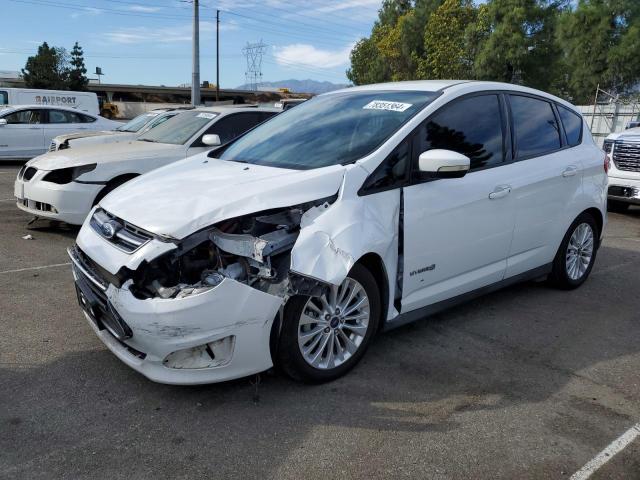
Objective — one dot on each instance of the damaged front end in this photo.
(252, 249)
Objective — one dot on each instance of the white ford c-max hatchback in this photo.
(360, 209)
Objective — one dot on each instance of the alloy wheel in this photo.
(332, 327)
(579, 251)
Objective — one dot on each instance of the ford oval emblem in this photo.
(109, 230)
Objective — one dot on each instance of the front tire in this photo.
(577, 253)
(324, 337)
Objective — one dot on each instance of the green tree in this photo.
(395, 46)
(367, 64)
(601, 45)
(521, 46)
(451, 37)
(47, 69)
(77, 79)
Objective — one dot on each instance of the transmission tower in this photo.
(253, 53)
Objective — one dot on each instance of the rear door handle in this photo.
(500, 191)
(570, 171)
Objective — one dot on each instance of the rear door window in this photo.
(471, 126)
(86, 118)
(62, 116)
(536, 129)
(572, 123)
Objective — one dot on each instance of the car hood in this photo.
(186, 196)
(97, 133)
(104, 153)
(632, 134)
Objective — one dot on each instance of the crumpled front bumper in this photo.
(160, 327)
(69, 203)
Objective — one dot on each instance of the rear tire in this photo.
(617, 206)
(323, 338)
(576, 254)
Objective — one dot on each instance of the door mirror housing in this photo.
(211, 140)
(3, 122)
(439, 163)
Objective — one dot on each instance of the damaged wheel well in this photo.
(375, 265)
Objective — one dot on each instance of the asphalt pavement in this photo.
(528, 382)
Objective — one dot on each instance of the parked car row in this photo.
(249, 238)
(126, 131)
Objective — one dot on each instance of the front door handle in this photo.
(570, 171)
(500, 191)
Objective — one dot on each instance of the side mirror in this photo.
(3, 122)
(443, 163)
(211, 140)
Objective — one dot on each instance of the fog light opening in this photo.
(213, 354)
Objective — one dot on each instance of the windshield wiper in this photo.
(146, 140)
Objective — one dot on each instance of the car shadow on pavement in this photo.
(86, 412)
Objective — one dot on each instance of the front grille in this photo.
(29, 173)
(52, 147)
(625, 192)
(626, 156)
(93, 299)
(44, 207)
(121, 234)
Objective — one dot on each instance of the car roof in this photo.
(449, 85)
(47, 107)
(413, 85)
(224, 109)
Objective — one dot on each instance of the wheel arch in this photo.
(374, 263)
(112, 184)
(598, 217)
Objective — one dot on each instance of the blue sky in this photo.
(149, 41)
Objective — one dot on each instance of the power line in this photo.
(261, 28)
(333, 17)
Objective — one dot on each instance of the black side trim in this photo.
(420, 313)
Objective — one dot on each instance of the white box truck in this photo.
(83, 101)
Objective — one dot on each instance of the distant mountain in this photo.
(298, 86)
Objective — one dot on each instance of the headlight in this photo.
(607, 146)
(67, 175)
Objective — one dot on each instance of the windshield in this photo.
(328, 130)
(179, 129)
(157, 121)
(137, 123)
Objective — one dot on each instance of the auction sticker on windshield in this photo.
(206, 115)
(384, 105)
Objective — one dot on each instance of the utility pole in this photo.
(195, 79)
(595, 102)
(217, 55)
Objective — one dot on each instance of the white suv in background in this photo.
(624, 173)
(27, 131)
(359, 209)
(64, 185)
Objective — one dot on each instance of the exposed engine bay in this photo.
(253, 249)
